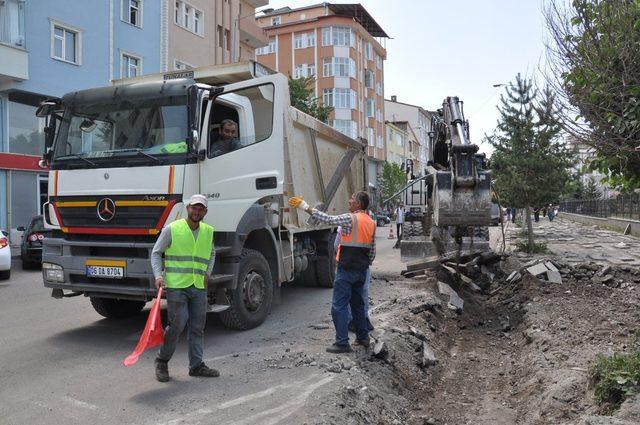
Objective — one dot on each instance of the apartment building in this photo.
(419, 121)
(339, 45)
(397, 144)
(209, 32)
(50, 48)
(411, 145)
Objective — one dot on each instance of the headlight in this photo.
(52, 272)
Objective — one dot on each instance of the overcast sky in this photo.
(458, 48)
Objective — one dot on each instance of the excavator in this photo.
(452, 201)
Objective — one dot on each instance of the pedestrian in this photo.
(513, 215)
(356, 253)
(550, 212)
(399, 219)
(536, 214)
(508, 214)
(189, 256)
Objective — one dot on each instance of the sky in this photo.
(455, 48)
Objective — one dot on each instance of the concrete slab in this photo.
(455, 302)
(537, 270)
(554, 276)
(550, 266)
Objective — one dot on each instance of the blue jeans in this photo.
(185, 307)
(347, 291)
(365, 296)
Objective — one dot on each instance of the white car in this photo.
(5, 256)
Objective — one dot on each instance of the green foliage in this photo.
(301, 93)
(615, 378)
(591, 191)
(391, 179)
(535, 248)
(596, 55)
(530, 163)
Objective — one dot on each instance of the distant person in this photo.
(227, 138)
(513, 214)
(399, 219)
(536, 214)
(551, 214)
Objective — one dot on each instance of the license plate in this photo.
(102, 268)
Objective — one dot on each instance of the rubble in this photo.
(428, 357)
(455, 302)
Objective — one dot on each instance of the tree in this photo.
(592, 191)
(301, 93)
(530, 164)
(594, 65)
(391, 179)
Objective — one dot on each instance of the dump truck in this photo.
(125, 158)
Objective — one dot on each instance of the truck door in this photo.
(243, 138)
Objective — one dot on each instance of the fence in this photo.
(624, 206)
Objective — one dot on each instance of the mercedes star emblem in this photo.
(106, 209)
(106, 176)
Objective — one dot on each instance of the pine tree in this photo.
(592, 191)
(530, 163)
(302, 98)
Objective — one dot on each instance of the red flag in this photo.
(153, 334)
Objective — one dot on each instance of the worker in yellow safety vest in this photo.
(356, 252)
(189, 256)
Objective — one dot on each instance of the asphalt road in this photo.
(60, 363)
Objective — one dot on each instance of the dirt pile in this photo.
(517, 351)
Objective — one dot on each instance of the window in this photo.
(378, 88)
(65, 43)
(339, 98)
(251, 109)
(399, 140)
(379, 115)
(371, 137)
(339, 67)
(220, 36)
(369, 51)
(380, 141)
(369, 78)
(276, 20)
(346, 127)
(371, 107)
(12, 22)
(131, 66)
(227, 39)
(26, 131)
(181, 66)
(338, 36)
(132, 12)
(188, 17)
(304, 70)
(270, 48)
(302, 41)
(378, 61)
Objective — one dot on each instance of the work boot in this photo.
(364, 342)
(162, 371)
(204, 370)
(339, 349)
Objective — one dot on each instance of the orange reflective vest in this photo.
(353, 251)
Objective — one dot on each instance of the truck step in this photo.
(217, 278)
(222, 249)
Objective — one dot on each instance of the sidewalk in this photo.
(576, 242)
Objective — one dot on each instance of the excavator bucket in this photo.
(461, 206)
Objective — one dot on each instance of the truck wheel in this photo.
(251, 299)
(326, 265)
(5, 274)
(112, 308)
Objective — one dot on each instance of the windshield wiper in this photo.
(75, 155)
(140, 151)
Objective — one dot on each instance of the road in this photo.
(60, 362)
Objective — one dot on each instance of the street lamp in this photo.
(499, 85)
(236, 30)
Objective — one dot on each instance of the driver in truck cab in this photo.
(226, 140)
(189, 256)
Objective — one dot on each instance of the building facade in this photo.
(339, 45)
(397, 144)
(209, 32)
(50, 48)
(418, 120)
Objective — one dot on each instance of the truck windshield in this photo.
(127, 133)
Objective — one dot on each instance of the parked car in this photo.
(31, 247)
(382, 219)
(5, 256)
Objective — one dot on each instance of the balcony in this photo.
(252, 34)
(257, 3)
(15, 59)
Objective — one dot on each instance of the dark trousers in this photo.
(348, 290)
(185, 307)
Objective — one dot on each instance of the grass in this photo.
(614, 379)
(537, 248)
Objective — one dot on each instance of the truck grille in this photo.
(113, 212)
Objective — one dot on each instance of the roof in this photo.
(355, 11)
(360, 14)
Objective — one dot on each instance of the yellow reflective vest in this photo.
(186, 260)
